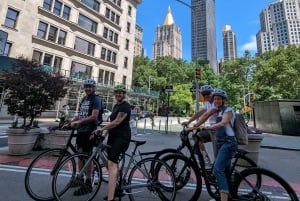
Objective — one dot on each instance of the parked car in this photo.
(134, 115)
(106, 114)
(145, 114)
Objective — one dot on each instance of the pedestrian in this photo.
(209, 109)
(119, 135)
(226, 141)
(86, 122)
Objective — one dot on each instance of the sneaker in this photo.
(84, 189)
(77, 182)
(118, 193)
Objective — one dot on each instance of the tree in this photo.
(30, 89)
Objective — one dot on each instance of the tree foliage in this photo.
(30, 90)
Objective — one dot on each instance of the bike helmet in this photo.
(206, 88)
(120, 88)
(89, 82)
(220, 92)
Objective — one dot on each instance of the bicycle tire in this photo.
(39, 172)
(188, 176)
(65, 181)
(272, 188)
(150, 181)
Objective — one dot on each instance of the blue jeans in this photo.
(227, 148)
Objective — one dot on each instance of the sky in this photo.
(241, 15)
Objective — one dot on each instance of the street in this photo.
(285, 163)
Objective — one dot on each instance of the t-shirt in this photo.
(228, 129)
(210, 105)
(123, 129)
(86, 110)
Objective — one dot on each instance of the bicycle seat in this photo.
(138, 143)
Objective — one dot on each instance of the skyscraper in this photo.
(204, 32)
(279, 25)
(167, 39)
(229, 43)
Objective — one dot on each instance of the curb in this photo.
(280, 148)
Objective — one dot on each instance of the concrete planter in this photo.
(254, 141)
(21, 141)
(59, 138)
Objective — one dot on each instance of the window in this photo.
(7, 49)
(103, 53)
(84, 46)
(47, 4)
(129, 10)
(62, 37)
(52, 34)
(42, 29)
(112, 16)
(116, 38)
(105, 31)
(48, 59)
(106, 77)
(11, 18)
(127, 44)
(124, 80)
(125, 62)
(110, 35)
(37, 56)
(81, 71)
(66, 12)
(128, 27)
(108, 55)
(57, 7)
(87, 23)
(57, 64)
(92, 4)
(114, 57)
(112, 79)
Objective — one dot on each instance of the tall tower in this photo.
(229, 43)
(204, 32)
(167, 39)
(279, 25)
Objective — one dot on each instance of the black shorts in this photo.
(119, 146)
(83, 142)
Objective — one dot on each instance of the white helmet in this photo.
(206, 88)
(89, 82)
(220, 92)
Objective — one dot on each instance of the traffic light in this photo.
(198, 73)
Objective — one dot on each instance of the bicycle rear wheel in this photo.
(148, 184)
(39, 174)
(272, 187)
(67, 185)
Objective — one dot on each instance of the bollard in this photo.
(144, 126)
(159, 125)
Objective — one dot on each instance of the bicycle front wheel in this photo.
(272, 187)
(72, 183)
(146, 183)
(39, 174)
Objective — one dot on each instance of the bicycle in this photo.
(38, 176)
(137, 175)
(189, 170)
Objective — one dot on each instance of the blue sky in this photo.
(242, 15)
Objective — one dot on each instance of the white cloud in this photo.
(251, 45)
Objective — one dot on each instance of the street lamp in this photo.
(196, 55)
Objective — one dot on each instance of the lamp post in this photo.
(196, 56)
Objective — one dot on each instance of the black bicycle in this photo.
(135, 179)
(39, 174)
(245, 184)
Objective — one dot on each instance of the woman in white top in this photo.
(226, 141)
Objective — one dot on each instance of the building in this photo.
(279, 25)
(229, 43)
(138, 41)
(167, 39)
(79, 39)
(204, 32)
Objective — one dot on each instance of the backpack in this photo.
(240, 129)
(101, 111)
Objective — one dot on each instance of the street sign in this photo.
(169, 89)
(3, 40)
